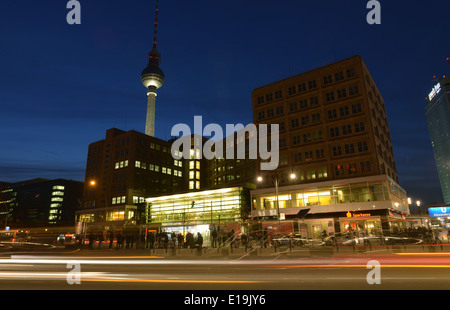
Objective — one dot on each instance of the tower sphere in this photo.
(153, 76)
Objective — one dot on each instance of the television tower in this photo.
(153, 78)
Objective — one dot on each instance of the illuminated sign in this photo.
(349, 214)
(439, 211)
(435, 91)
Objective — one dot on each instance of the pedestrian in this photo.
(199, 241)
(180, 240)
(214, 237)
(111, 239)
(152, 239)
(100, 240)
(119, 241)
(91, 240)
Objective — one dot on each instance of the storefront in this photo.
(369, 206)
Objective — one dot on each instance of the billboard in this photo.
(439, 211)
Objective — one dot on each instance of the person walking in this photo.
(111, 239)
(214, 237)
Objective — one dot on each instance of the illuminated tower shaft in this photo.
(150, 121)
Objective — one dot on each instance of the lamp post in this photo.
(420, 211)
(276, 182)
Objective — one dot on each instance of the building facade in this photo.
(437, 113)
(121, 172)
(40, 203)
(336, 154)
(332, 122)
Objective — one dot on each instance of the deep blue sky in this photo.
(62, 86)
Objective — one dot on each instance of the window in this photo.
(318, 135)
(320, 153)
(310, 174)
(339, 170)
(337, 150)
(301, 87)
(322, 172)
(293, 106)
(359, 127)
(315, 118)
(297, 157)
(332, 114)
(295, 140)
(278, 94)
(341, 93)
(261, 115)
(281, 124)
(356, 108)
(303, 103)
(343, 111)
(346, 129)
(314, 100)
(138, 164)
(362, 146)
(305, 120)
(308, 155)
(351, 168)
(259, 100)
(279, 110)
(327, 79)
(339, 76)
(329, 96)
(312, 84)
(58, 187)
(334, 132)
(350, 72)
(307, 137)
(349, 148)
(353, 90)
(270, 113)
(269, 97)
(282, 142)
(294, 123)
(292, 90)
(365, 166)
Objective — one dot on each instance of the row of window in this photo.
(341, 93)
(349, 148)
(152, 167)
(347, 129)
(313, 101)
(352, 168)
(344, 111)
(310, 85)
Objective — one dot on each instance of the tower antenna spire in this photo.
(156, 25)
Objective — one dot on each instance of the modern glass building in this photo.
(437, 113)
(225, 209)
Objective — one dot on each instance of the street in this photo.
(137, 270)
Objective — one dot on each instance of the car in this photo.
(290, 239)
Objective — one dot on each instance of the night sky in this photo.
(62, 86)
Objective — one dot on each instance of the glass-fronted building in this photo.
(437, 113)
(224, 209)
(370, 206)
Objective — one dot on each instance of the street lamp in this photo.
(276, 182)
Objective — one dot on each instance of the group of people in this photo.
(164, 240)
(139, 241)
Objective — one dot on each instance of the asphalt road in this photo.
(107, 271)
